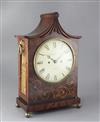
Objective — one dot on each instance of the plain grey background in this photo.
(77, 18)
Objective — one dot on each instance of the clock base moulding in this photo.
(36, 107)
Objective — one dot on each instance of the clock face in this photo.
(53, 60)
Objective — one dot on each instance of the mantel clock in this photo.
(47, 67)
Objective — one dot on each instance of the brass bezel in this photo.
(73, 54)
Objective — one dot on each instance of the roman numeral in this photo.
(48, 76)
(42, 70)
(40, 62)
(63, 74)
(46, 46)
(55, 77)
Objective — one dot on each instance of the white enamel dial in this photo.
(53, 60)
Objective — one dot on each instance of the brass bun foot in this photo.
(77, 105)
(17, 105)
(28, 115)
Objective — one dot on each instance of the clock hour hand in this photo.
(48, 56)
(58, 58)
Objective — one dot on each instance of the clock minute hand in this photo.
(59, 57)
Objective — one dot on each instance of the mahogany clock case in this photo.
(40, 95)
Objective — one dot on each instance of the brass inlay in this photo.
(23, 66)
(21, 47)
